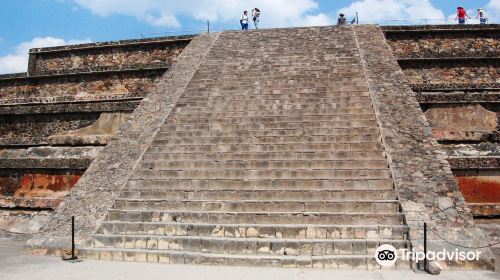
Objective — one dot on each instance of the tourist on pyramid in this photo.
(482, 16)
(244, 21)
(342, 20)
(256, 17)
(461, 15)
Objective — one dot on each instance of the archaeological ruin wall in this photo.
(56, 117)
(454, 72)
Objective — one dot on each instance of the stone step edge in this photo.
(257, 137)
(256, 225)
(156, 144)
(222, 168)
(172, 134)
(187, 257)
(252, 201)
(262, 180)
(313, 113)
(174, 252)
(257, 213)
(165, 191)
(246, 189)
(255, 239)
(162, 161)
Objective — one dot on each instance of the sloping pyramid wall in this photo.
(257, 148)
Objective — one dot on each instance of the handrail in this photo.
(384, 22)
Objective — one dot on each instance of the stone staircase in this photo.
(271, 157)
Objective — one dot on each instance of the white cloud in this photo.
(376, 11)
(18, 61)
(165, 13)
(317, 20)
(493, 11)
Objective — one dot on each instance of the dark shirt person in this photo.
(342, 20)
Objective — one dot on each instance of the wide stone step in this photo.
(265, 164)
(319, 71)
(297, 231)
(171, 140)
(246, 246)
(272, 132)
(256, 99)
(269, 125)
(185, 257)
(264, 119)
(161, 147)
(383, 206)
(278, 113)
(263, 194)
(263, 184)
(280, 85)
(200, 107)
(290, 155)
(225, 217)
(274, 94)
(262, 174)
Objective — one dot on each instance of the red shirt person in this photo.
(461, 15)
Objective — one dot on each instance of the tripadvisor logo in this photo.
(387, 255)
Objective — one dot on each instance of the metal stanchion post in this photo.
(73, 258)
(425, 246)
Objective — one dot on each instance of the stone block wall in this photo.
(130, 54)
(454, 72)
(36, 183)
(96, 86)
(13, 128)
(96, 191)
(449, 42)
(427, 189)
(55, 118)
(459, 74)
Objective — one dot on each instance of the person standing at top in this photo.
(244, 21)
(461, 15)
(256, 17)
(341, 20)
(482, 16)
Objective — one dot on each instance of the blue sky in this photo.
(35, 23)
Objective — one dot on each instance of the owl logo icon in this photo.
(386, 255)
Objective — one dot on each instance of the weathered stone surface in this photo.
(99, 132)
(14, 128)
(36, 203)
(479, 185)
(22, 221)
(445, 203)
(48, 157)
(459, 73)
(427, 76)
(444, 44)
(461, 122)
(421, 173)
(434, 268)
(125, 54)
(467, 97)
(486, 150)
(94, 86)
(56, 184)
(115, 105)
(96, 190)
(485, 210)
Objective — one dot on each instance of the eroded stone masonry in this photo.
(55, 118)
(454, 72)
(297, 151)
